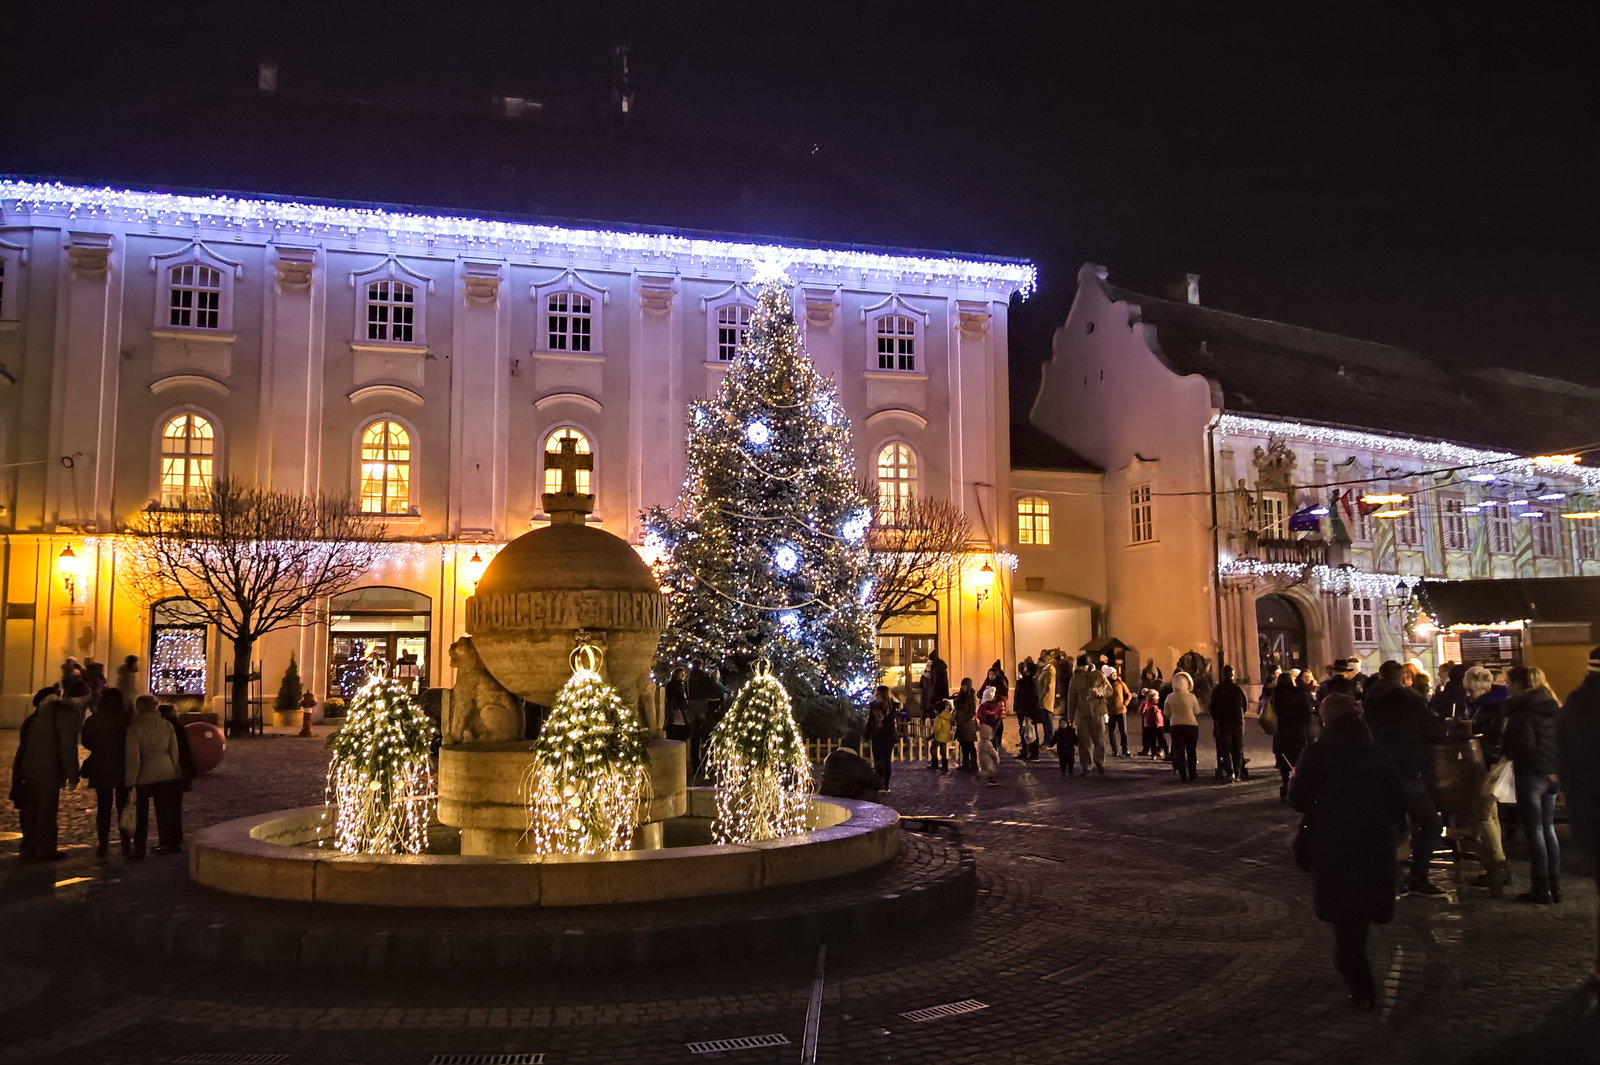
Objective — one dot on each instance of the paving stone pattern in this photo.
(1121, 918)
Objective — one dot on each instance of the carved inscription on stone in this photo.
(565, 610)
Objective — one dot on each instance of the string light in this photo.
(272, 219)
(757, 761)
(380, 770)
(1336, 580)
(591, 768)
(178, 660)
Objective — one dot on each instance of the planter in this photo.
(286, 719)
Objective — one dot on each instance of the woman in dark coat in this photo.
(967, 725)
(1350, 793)
(1530, 743)
(1294, 725)
(105, 734)
(1027, 710)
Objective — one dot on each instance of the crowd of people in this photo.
(138, 760)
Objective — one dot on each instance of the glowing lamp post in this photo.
(475, 567)
(984, 583)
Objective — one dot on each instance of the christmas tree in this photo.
(591, 768)
(757, 760)
(766, 552)
(380, 774)
(289, 690)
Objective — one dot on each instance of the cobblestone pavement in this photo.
(1120, 918)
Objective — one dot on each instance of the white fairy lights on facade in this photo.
(380, 771)
(274, 220)
(1338, 580)
(590, 770)
(757, 761)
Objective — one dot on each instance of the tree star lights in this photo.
(590, 769)
(380, 772)
(757, 760)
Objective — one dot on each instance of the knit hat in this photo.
(1594, 660)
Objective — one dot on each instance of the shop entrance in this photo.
(1282, 631)
(392, 623)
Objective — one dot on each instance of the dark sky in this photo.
(1415, 173)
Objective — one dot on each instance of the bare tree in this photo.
(249, 561)
(916, 551)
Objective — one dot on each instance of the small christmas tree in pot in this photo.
(286, 707)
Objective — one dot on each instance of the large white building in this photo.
(424, 365)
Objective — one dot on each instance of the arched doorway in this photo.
(393, 622)
(1282, 631)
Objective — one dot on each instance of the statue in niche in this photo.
(478, 709)
(1244, 509)
(1275, 466)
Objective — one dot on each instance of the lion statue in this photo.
(478, 709)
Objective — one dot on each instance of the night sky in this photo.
(1418, 174)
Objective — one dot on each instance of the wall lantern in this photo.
(985, 582)
(70, 565)
(475, 567)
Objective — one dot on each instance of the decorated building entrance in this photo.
(392, 623)
(1282, 632)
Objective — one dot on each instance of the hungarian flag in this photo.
(1339, 513)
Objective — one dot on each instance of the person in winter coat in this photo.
(881, 732)
(992, 712)
(1578, 756)
(1227, 725)
(1048, 693)
(128, 679)
(1531, 745)
(1484, 702)
(1027, 711)
(46, 761)
(1090, 722)
(1117, 704)
(1150, 731)
(1355, 811)
(997, 679)
(153, 770)
(1293, 708)
(105, 735)
(944, 726)
(186, 774)
(988, 756)
(1401, 723)
(677, 704)
(1065, 742)
(934, 685)
(847, 775)
(1183, 711)
(966, 718)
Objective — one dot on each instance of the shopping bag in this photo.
(1269, 719)
(130, 813)
(1502, 782)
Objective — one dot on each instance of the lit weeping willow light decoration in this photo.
(590, 770)
(757, 759)
(380, 773)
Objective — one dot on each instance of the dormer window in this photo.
(570, 319)
(391, 311)
(391, 307)
(195, 290)
(733, 325)
(897, 343)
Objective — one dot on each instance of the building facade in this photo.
(1274, 494)
(423, 366)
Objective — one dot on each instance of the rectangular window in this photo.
(1500, 538)
(733, 322)
(1583, 538)
(571, 321)
(1274, 516)
(195, 297)
(391, 312)
(1408, 528)
(1362, 533)
(1454, 523)
(1141, 516)
(897, 343)
(1543, 528)
(1033, 521)
(1363, 619)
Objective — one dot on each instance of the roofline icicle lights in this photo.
(271, 219)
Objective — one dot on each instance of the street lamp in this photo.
(475, 567)
(68, 563)
(985, 582)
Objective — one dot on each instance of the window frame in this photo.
(393, 306)
(1544, 536)
(895, 307)
(1141, 498)
(1364, 608)
(1498, 528)
(715, 327)
(1272, 518)
(543, 475)
(1033, 521)
(570, 316)
(908, 469)
(390, 269)
(195, 255)
(1453, 534)
(158, 494)
(1408, 527)
(13, 257)
(569, 281)
(1585, 539)
(411, 462)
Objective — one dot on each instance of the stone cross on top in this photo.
(568, 505)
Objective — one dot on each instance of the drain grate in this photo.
(488, 1059)
(744, 1042)
(231, 1059)
(949, 1009)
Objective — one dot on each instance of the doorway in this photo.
(1282, 632)
(393, 624)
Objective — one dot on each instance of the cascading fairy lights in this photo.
(590, 770)
(766, 550)
(757, 760)
(380, 772)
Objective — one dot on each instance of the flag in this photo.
(1339, 513)
(1306, 520)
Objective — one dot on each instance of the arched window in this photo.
(391, 311)
(571, 321)
(194, 297)
(733, 322)
(385, 469)
(188, 449)
(1033, 520)
(552, 447)
(897, 343)
(897, 481)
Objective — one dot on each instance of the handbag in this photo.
(1502, 782)
(128, 820)
(1269, 719)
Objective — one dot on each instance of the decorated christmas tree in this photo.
(757, 760)
(591, 768)
(380, 774)
(765, 552)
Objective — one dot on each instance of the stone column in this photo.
(480, 368)
(290, 444)
(655, 409)
(1250, 653)
(819, 315)
(84, 386)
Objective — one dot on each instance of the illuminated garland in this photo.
(1335, 579)
(380, 773)
(757, 760)
(590, 770)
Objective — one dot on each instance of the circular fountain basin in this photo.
(281, 856)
